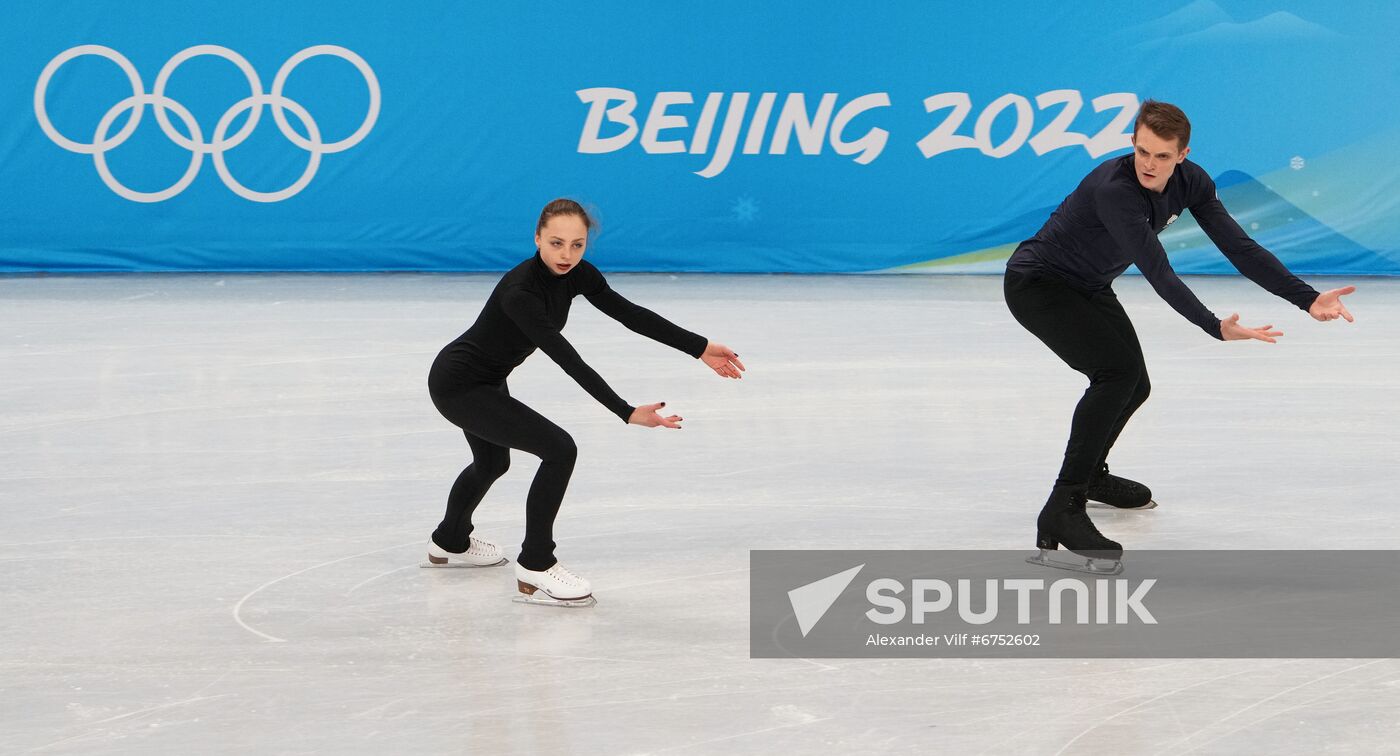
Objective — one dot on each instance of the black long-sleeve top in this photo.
(1110, 221)
(528, 309)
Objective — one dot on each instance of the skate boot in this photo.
(555, 586)
(1064, 521)
(1107, 490)
(479, 553)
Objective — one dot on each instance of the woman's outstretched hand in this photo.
(1231, 330)
(722, 360)
(1328, 305)
(647, 416)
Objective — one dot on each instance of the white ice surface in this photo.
(216, 491)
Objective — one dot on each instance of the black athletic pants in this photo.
(1092, 334)
(495, 423)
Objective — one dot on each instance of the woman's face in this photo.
(562, 242)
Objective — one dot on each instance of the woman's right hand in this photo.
(647, 416)
(1231, 330)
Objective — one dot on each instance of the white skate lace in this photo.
(558, 572)
(479, 548)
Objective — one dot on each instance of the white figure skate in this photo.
(555, 586)
(479, 553)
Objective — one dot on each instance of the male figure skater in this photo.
(1058, 286)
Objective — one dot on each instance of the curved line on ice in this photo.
(238, 608)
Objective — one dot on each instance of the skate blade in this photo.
(1151, 504)
(1076, 563)
(586, 601)
(455, 565)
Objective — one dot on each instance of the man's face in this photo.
(1155, 158)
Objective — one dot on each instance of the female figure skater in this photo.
(1059, 287)
(467, 382)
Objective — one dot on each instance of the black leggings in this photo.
(1093, 335)
(495, 423)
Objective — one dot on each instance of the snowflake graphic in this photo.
(745, 209)
(1297, 163)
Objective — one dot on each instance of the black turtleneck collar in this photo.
(544, 270)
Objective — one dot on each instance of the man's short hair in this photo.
(1166, 121)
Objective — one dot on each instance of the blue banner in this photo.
(794, 137)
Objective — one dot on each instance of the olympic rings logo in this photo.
(221, 143)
